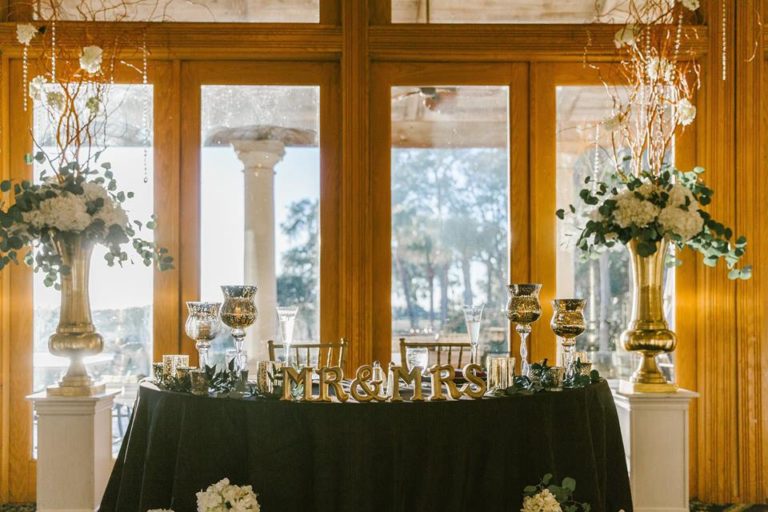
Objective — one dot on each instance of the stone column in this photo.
(259, 158)
(74, 444)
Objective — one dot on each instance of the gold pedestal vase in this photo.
(75, 336)
(648, 331)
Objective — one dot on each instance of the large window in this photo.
(260, 203)
(449, 181)
(507, 11)
(276, 11)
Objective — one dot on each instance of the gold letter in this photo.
(470, 373)
(290, 375)
(371, 390)
(414, 376)
(438, 380)
(331, 377)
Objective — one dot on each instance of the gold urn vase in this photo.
(75, 336)
(648, 332)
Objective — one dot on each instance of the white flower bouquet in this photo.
(80, 201)
(652, 208)
(547, 496)
(223, 496)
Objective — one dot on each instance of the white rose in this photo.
(208, 501)
(691, 5)
(625, 36)
(632, 210)
(25, 32)
(90, 59)
(685, 224)
(686, 112)
(544, 501)
(37, 87)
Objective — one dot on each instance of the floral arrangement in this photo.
(649, 209)
(223, 496)
(646, 200)
(549, 497)
(76, 195)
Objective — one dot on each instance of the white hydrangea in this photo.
(112, 214)
(66, 212)
(632, 210)
(37, 87)
(90, 59)
(660, 69)
(25, 32)
(691, 5)
(93, 191)
(625, 36)
(223, 497)
(685, 224)
(679, 195)
(544, 501)
(686, 112)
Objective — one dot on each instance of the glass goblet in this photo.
(523, 309)
(287, 316)
(202, 326)
(473, 316)
(238, 313)
(567, 323)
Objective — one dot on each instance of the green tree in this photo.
(298, 284)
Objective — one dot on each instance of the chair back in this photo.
(328, 354)
(453, 352)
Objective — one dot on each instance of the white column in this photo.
(259, 158)
(74, 451)
(654, 427)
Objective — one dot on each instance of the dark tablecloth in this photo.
(459, 456)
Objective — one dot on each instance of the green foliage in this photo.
(540, 379)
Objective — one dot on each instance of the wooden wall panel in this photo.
(717, 451)
(751, 187)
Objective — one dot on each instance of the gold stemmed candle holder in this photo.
(523, 309)
(567, 323)
(238, 313)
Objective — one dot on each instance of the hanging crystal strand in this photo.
(596, 168)
(25, 74)
(53, 50)
(724, 28)
(678, 36)
(145, 110)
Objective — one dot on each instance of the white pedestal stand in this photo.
(74, 446)
(654, 427)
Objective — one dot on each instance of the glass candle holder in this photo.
(202, 326)
(158, 372)
(523, 309)
(172, 361)
(555, 377)
(567, 323)
(266, 374)
(238, 313)
(501, 372)
(199, 382)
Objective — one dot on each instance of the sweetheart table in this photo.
(464, 455)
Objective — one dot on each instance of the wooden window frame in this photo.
(384, 76)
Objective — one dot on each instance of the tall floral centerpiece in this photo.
(646, 203)
(52, 224)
